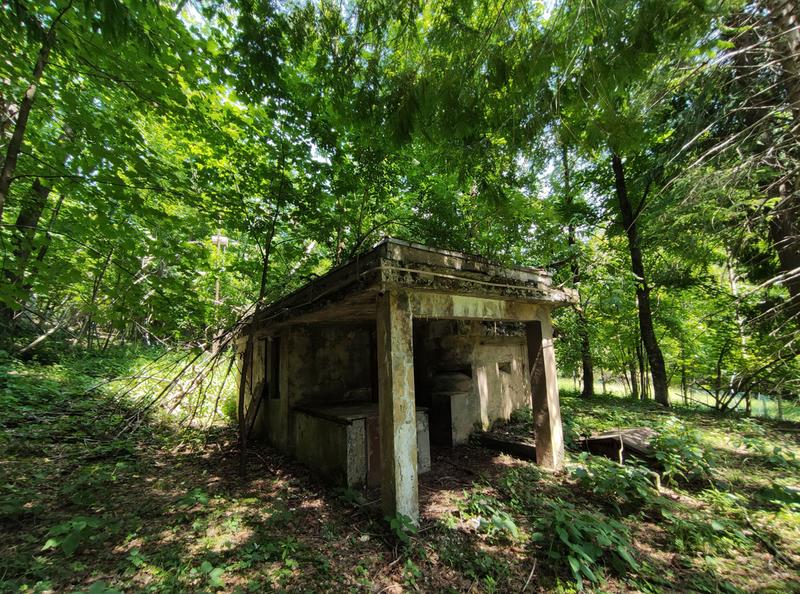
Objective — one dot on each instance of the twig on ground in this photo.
(530, 576)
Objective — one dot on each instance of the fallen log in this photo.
(519, 449)
(622, 444)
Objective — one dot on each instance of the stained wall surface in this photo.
(481, 367)
(331, 362)
(478, 368)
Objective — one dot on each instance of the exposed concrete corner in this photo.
(545, 400)
(396, 406)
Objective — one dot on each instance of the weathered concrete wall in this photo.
(330, 361)
(500, 377)
(270, 422)
(482, 365)
(255, 382)
(317, 363)
(477, 370)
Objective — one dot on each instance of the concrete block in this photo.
(423, 443)
(454, 417)
(357, 453)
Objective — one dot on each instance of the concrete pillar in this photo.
(396, 406)
(544, 394)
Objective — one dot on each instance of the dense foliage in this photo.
(167, 165)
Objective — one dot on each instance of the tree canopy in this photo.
(166, 165)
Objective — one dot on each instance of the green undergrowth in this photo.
(86, 507)
(720, 489)
(86, 494)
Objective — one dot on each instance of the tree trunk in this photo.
(634, 380)
(784, 224)
(45, 245)
(654, 355)
(247, 363)
(785, 18)
(15, 144)
(583, 327)
(642, 375)
(784, 231)
(684, 380)
(98, 281)
(24, 232)
(267, 253)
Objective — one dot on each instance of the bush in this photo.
(522, 416)
(572, 432)
(73, 534)
(680, 453)
(624, 488)
(584, 541)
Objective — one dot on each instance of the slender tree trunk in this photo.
(654, 355)
(684, 380)
(17, 137)
(15, 144)
(247, 364)
(271, 232)
(267, 253)
(98, 281)
(586, 357)
(784, 231)
(644, 388)
(43, 248)
(24, 232)
(634, 380)
(642, 374)
(626, 382)
(583, 326)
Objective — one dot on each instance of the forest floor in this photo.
(84, 509)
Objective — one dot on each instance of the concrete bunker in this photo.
(357, 373)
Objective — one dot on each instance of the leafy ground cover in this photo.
(85, 508)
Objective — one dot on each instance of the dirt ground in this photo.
(83, 509)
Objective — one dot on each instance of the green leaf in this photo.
(215, 577)
(50, 544)
(574, 564)
(71, 542)
(625, 554)
(100, 587)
